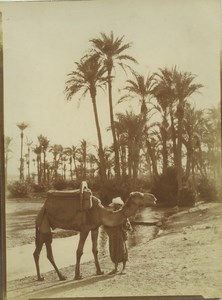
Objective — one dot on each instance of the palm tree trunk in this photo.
(123, 160)
(28, 162)
(153, 159)
(21, 159)
(173, 137)
(75, 167)
(115, 144)
(38, 169)
(135, 166)
(70, 168)
(101, 152)
(180, 111)
(164, 141)
(193, 173)
(188, 163)
(130, 161)
(44, 166)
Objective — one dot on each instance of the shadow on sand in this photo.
(64, 286)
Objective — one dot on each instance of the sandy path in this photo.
(185, 259)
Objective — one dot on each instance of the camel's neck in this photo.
(114, 218)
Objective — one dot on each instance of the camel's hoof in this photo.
(41, 279)
(99, 273)
(122, 273)
(62, 278)
(78, 277)
(113, 272)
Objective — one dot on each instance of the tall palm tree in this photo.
(164, 106)
(212, 140)
(111, 50)
(37, 150)
(83, 151)
(166, 99)
(141, 88)
(88, 76)
(44, 143)
(182, 88)
(28, 144)
(132, 131)
(22, 126)
(56, 151)
(70, 152)
(194, 128)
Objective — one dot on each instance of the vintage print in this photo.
(112, 149)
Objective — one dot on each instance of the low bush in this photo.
(187, 197)
(38, 188)
(18, 189)
(207, 190)
(165, 188)
(60, 184)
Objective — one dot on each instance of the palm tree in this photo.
(88, 76)
(111, 50)
(166, 99)
(164, 107)
(28, 144)
(83, 149)
(194, 128)
(37, 150)
(182, 88)
(152, 140)
(132, 127)
(92, 161)
(69, 153)
(56, 151)
(140, 87)
(44, 144)
(8, 141)
(212, 140)
(22, 126)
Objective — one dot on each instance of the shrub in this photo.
(18, 189)
(207, 190)
(38, 188)
(60, 184)
(165, 187)
(187, 196)
(115, 188)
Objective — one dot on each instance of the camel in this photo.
(62, 210)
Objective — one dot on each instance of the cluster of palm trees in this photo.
(179, 138)
(55, 162)
(168, 131)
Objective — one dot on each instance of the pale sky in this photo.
(41, 42)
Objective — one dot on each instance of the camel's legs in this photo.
(36, 254)
(79, 252)
(51, 259)
(94, 236)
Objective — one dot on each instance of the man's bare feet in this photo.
(113, 272)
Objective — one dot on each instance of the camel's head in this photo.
(143, 199)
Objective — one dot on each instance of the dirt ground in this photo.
(185, 258)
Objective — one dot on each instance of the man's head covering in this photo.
(117, 201)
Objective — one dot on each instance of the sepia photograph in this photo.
(111, 149)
